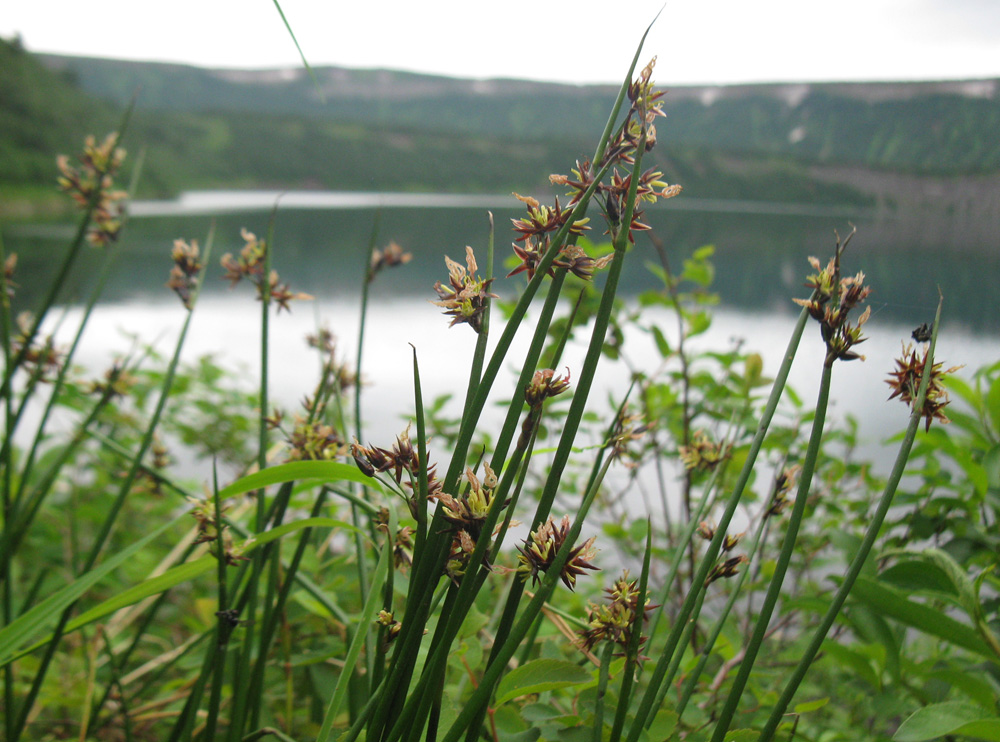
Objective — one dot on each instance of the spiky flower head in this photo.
(390, 257)
(905, 382)
(615, 620)
(466, 296)
(542, 545)
(834, 297)
(703, 454)
(251, 265)
(184, 273)
(92, 184)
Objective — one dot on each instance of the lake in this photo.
(320, 241)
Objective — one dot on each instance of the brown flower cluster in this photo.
(250, 265)
(390, 257)
(208, 532)
(467, 513)
(727, 566)
(834, 298)
(92, 183)
(703, 454)
(466, 296)
(615, 620)
(905, 382)
(543, 385)
(541, 547)
(41, 358)
(637, 130)
(783, 484)
(184, 273)
(387, 620)
(314, 440)
(402, 549)
(117, 382)
(628, 428)
(333, 371)
(402, 457)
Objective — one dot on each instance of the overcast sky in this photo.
(584, 41)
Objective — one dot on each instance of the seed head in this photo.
(905, 382)
(541, 547)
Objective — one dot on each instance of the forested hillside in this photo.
(393, 131)
(945, 127)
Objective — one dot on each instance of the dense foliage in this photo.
(363, 590)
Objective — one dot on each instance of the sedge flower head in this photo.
(466, 296)
(540, 549)
(905, 382)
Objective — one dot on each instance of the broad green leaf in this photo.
(698, 322)
(538, 676)
(742, 735)
(664, 724)
(807, 706)
(914, 576)
(991, 465)
(958, 576)
(974, 685)
(703, 253)
(892, 604)
(661, 342)
(951, 717)
(324, 471)
(875, 629)
(699, 272)
(180, 574)
(993, 403)
(856, 661)
(39, 619)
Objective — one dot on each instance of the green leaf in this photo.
(807, 706)
(993, 403)
(661, 342)
(698, 272)
(180, 574)
(892, 604)
(664, 724)
(951, 717)
(974, 686)
(703, 253)
(538, 676)
(324, 471)
(698, 322)
(991, 465)
(36, 621)
(914, 576)
(742, 735)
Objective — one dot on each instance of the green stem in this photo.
(645, 710)
(871, 534)
(602, 689)
(116, 506)
(787, 549)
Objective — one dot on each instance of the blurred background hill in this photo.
(382, 130)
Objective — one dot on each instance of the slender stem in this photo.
(645, 711)
(607, 654)
(787, 549)
(116, 506)
(871, 534)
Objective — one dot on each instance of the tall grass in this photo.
(374, 598)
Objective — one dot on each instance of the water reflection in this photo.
(321, 238)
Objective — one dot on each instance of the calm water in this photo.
(321, 239)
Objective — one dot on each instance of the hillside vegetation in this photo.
(393, 131)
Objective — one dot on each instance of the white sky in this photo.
(584, 41)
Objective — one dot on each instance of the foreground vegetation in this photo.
(356, 590)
